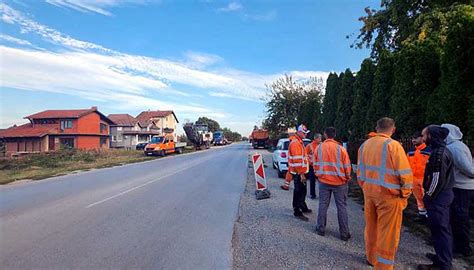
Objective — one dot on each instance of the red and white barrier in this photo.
(260, 180)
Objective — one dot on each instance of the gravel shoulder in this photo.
(267, 236)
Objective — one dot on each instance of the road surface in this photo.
(172, 213)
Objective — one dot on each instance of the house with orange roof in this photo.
(52, 130)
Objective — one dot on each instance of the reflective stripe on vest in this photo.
(381, 170)
(336, 165)
(384, 261)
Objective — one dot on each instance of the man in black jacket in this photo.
(438, 184)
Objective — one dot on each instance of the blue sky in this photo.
(198, 58)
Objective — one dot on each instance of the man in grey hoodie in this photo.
(463, 190)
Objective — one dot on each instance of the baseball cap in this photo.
(303, 129)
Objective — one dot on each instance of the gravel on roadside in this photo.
(267, 236)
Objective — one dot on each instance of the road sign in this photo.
(260, 181)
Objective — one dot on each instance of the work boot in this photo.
(346, 238)
(307, 210)
(300, 216)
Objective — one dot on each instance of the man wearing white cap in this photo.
(298, 166)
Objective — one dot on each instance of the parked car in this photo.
(280, 156)
(141, 146)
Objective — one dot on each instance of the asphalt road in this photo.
(172, 213)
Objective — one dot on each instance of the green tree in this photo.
(453, 100)
(213, 125)
(344, 104)
(382, 90)
(330, 100)
(393, 25)
(310, 113)
(290, 103)
(416, 73)
(362, 96)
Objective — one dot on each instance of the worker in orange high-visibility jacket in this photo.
(386, 179)
(298, 166)
(418, 159)
(332, 166)
(310, 150)
(288, 177)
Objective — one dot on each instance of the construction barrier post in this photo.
(261, 191)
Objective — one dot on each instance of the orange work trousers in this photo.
(419, 192)
(383, 221)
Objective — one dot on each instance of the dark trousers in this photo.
(299, 195)
(340, 197)
(439, 223)
(460, 219)
(312, 182)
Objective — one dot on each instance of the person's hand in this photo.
(303, 178)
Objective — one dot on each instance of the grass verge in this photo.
(44, 165)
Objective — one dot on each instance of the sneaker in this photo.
(345, 238)
(285, 187)
(307, 211)
(301, 217)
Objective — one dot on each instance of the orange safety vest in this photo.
(418, 159)
(310, 150)
(331, 163)
(383, 168)
(298, 162)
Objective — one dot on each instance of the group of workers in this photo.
(439, 172)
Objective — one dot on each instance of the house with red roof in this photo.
(127, 131)
(57, 129)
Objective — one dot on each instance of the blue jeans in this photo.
(340, 197)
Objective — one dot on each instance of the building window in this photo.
(103, 127)
(103, 141)
(66, 143)
(114, 138)
(119, 128)
(66, 124)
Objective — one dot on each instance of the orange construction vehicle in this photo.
(260, 138)
(165, 144)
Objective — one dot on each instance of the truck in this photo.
(163, 145)
(199, 135)
(219, 138)
(260, 138)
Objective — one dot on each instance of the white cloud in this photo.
(129, 82)
(94, 6)
(201, 60)
(231, 7)
(15, 40)
(268, 16)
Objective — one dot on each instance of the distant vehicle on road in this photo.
(280, 156)
(260, 138)
(141, 146)
(219, 138)
(199, 135)
(162, 145)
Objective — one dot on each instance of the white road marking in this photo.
(149, 182)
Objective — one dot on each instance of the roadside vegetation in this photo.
(44, 165)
